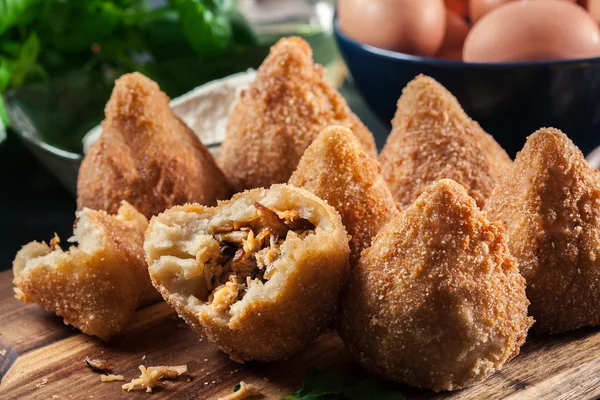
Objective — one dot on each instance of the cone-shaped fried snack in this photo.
(550, 205)
(259, 274)
(432, 138)
(279, 116)
(337, 169)
(437, 300)
(95, 286)
(146, 155)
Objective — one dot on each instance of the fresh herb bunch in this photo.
(330, 383)
(170, 40)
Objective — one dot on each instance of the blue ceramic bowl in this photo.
(509, 100)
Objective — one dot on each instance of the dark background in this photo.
(33, 206)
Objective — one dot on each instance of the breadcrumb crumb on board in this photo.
(41, 384)
(111, 378)
(96, 364)
(245, 391)
(150, 376)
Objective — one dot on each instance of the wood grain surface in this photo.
(41, 358)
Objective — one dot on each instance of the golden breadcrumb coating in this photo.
(250, 311)
(279, 115)
(146, 155)
(437, 301)
(432, 138)
(550, 205)
(337, 169)
(95, 286)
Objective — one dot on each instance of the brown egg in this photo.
(478, 8)
(529, 30)
(459, 7)
(457, 30)
(593, 7)
(408, 26)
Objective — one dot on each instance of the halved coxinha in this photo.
(259, 275)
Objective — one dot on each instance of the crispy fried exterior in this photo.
(146, 155)
(432, 138)
(337, 169)
(437, 301)
(290, 310)
(279, 116)
(96, 286)
(550, 205)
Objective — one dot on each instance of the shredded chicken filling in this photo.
(244, 251)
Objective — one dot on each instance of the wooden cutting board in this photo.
(41, 358)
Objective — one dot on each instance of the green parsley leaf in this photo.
(24, 65)
(242, 32)
(319, 383)
(5, 74)
(12, 11)
(206, 27)
(3, 121)
(330, 384)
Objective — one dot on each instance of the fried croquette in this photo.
(279, 116)
(146, 155)
(550, 205)
(437, 301)
(433, 138)
(336, 168)
(95, 286)
(259, 275)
